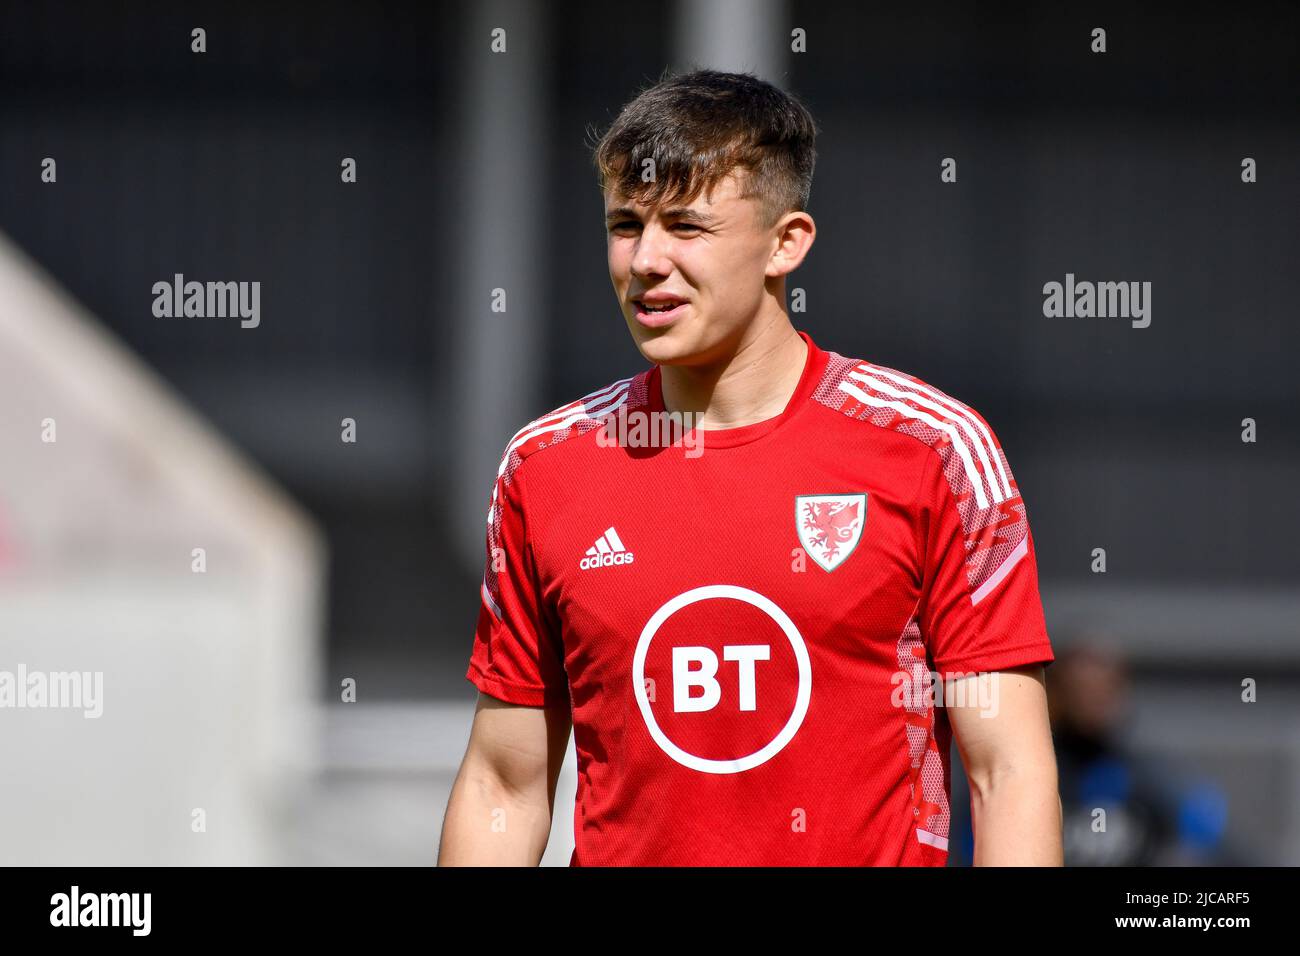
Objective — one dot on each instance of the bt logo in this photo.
(705, 675)
(697, 667)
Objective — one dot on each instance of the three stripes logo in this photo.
(980, 456)
(606, 552)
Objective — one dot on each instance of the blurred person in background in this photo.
(1119, 808)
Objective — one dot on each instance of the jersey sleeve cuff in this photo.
(527, 695)
(1039, 652)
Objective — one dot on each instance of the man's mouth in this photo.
(658, 312)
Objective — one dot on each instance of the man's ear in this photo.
(795, 233)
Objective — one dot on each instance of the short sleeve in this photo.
(517, 656)
(980, 607)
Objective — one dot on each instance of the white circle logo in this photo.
(734, 593)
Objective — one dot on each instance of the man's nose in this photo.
(651, 251)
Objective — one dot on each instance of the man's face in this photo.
(707, 261)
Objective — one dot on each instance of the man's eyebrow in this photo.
(684, 213)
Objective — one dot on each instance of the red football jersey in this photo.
(744, 623)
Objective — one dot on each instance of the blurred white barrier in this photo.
(108, 484)
(388, 774)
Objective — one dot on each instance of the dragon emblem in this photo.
(829, 526)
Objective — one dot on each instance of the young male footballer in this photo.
(763, 583)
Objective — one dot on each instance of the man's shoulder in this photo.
(852, 386)
(571, 420)
(890, 401)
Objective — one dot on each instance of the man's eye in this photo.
(632, 224)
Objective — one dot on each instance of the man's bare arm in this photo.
(1007, 751)
(501, 804)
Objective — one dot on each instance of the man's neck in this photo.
(751, 385)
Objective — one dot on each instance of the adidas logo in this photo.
(608, 550)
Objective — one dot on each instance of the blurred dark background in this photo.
(1117, 166)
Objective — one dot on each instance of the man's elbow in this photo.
(489, 822)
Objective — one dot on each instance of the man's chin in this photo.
(662, 347)
(677, 347)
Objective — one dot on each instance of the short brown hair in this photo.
(698, 127)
